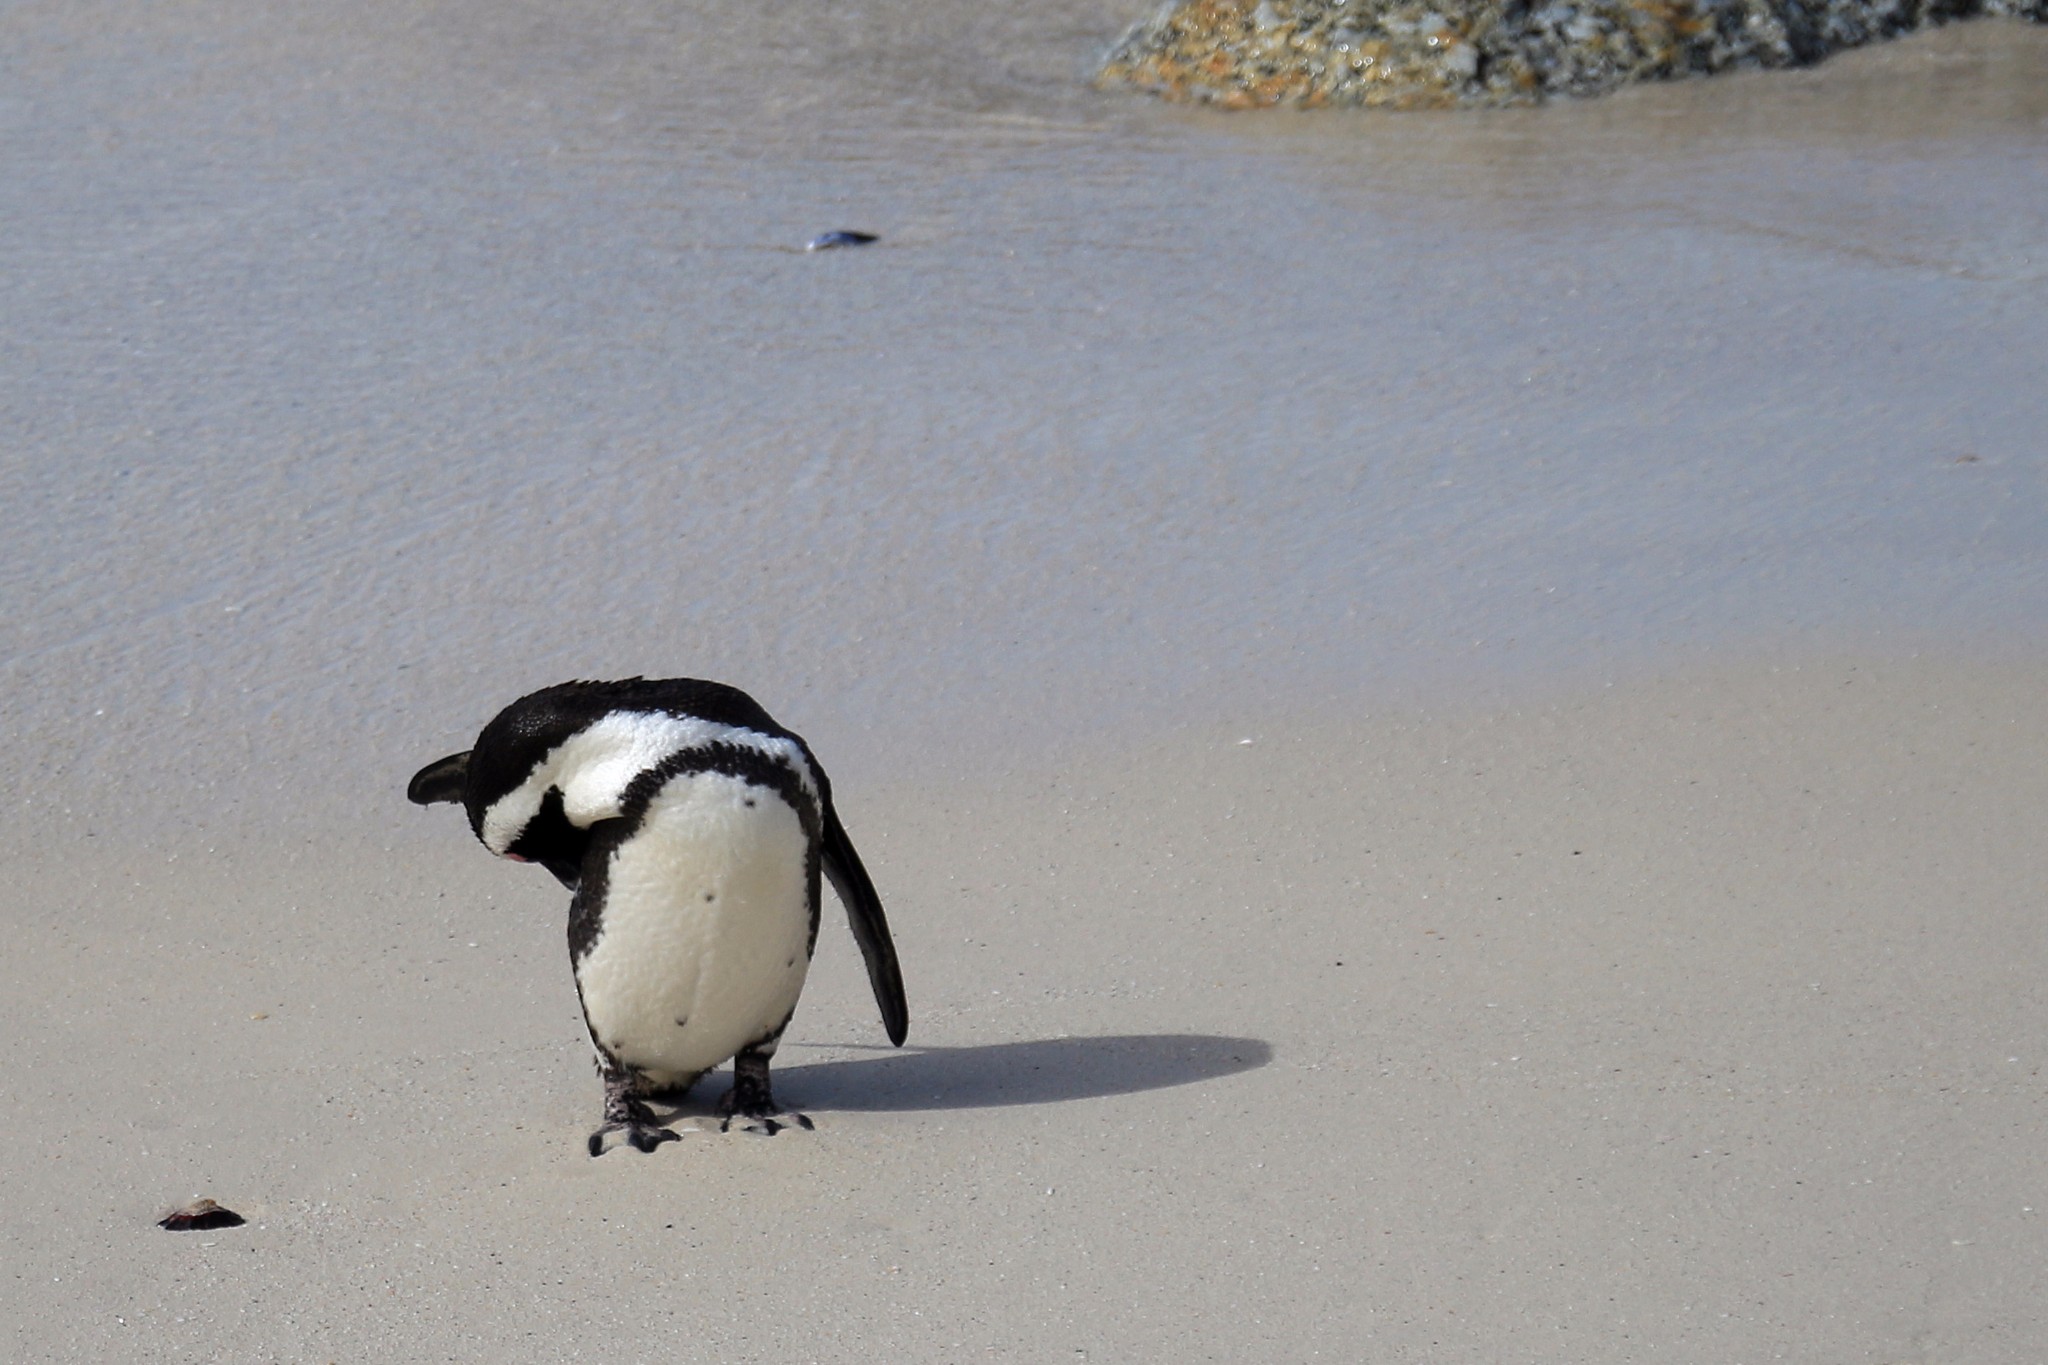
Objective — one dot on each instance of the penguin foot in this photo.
(763, 1116)
(642, 1137)
(625, 1112)
(750, 1097)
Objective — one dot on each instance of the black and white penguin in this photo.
(692, 829)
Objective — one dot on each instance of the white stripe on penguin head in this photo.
(594, 766)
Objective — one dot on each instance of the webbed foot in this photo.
(625, 1112)
(751, 1099)
(643, 1137)
(766, 1117)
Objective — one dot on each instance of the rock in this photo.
(1407, 54)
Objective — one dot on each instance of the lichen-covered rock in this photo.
(1431, 53)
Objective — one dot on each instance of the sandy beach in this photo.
(1449, 710)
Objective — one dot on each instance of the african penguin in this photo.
(692, 829)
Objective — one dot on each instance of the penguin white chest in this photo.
(703, 940)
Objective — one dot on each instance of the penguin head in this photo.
(583, 743)
(505, 784)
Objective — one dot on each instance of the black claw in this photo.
(647, 1139)
(642, 1137)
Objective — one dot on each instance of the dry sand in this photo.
(1691, 1019)
(1619, 531)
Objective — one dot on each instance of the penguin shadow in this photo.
(1045, 1071)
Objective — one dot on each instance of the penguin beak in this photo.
(442, 780)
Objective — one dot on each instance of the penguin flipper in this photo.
(445, 779)
(870, 926)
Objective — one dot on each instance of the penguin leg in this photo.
(750, 1097)
(624, 1111)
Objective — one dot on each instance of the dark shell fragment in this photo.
(201, 1215)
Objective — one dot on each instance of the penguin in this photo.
(692, 830)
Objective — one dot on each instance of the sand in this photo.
(1618, 532)
(1695, 1018)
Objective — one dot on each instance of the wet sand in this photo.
(1618, 530)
